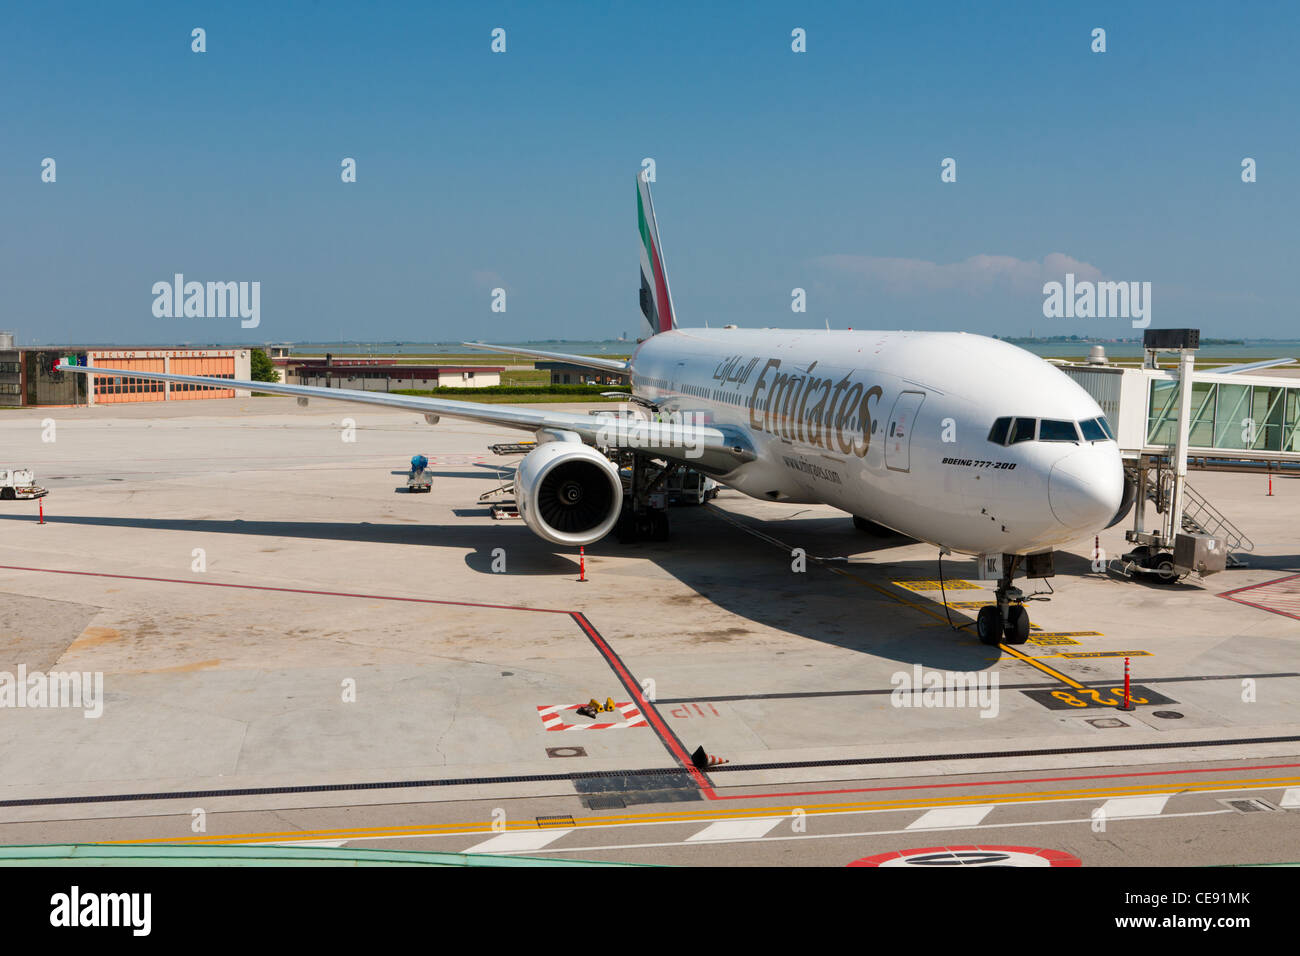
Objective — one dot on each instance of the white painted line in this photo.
(736, 829)
(516, 841)
(870, 833)
(366, 837)
(947, 818)
(1290, 799)
(332, 844)
(1118, 807)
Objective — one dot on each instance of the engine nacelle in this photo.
(568, 493)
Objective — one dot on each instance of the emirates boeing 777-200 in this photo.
(963, 441)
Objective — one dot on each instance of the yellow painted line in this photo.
(1049, 671)
(954, 585)
(915, 803)
(1069, 634)
(887, 593)
(892, 595)
(1076, 655)
(1038, 641)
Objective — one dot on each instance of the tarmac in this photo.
(292, 645)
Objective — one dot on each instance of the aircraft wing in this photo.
(712, 448)
(585, 361)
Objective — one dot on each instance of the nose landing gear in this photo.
(1007, 622)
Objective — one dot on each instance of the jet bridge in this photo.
(1168, 420)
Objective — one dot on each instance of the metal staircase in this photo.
(1201, 517)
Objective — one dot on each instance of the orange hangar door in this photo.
(210, 366)
(125, 388)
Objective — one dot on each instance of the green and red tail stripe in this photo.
(656, 298)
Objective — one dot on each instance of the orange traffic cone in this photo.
(703, 761)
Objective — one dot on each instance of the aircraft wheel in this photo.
(8, 494)
(1165, 572)
(625, 529)
(988, 625)
(1017, 630)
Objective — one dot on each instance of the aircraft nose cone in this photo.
(1085, 487)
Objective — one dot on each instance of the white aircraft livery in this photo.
(963, 441)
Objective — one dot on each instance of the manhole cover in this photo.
(1167, 714)
(566, 752)
(961, 856)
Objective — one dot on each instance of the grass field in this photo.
(524, 394)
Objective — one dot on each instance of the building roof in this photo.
(392, 371)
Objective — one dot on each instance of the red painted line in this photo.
(263, 587)
(665, 734)
(996, 783)
(648, 709)
(1262, 607)
(1262, 584)
(662, 730)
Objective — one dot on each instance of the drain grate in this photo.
(556, 820)
(1249, 805)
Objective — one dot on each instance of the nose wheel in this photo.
(1007, 621)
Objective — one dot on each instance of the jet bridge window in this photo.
(1051, 430)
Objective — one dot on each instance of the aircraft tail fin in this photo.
(656, 297)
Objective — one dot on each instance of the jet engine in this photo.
(568, 493)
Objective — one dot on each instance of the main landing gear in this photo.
(1007, 622)
(645, 514)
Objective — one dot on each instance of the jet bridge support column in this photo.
(1154, 553)
(1186, 362)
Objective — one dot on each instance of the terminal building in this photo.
(383, 375)
(562, 373)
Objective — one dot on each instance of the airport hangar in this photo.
(27, 375)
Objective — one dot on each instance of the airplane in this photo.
(968, 443)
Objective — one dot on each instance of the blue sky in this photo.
(775, 170)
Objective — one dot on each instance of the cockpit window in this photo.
(1057, 431)
(998, 433)
(1105, 426)
(1092, 430)
(1022, 430)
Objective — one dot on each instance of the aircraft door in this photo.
(898, 435)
